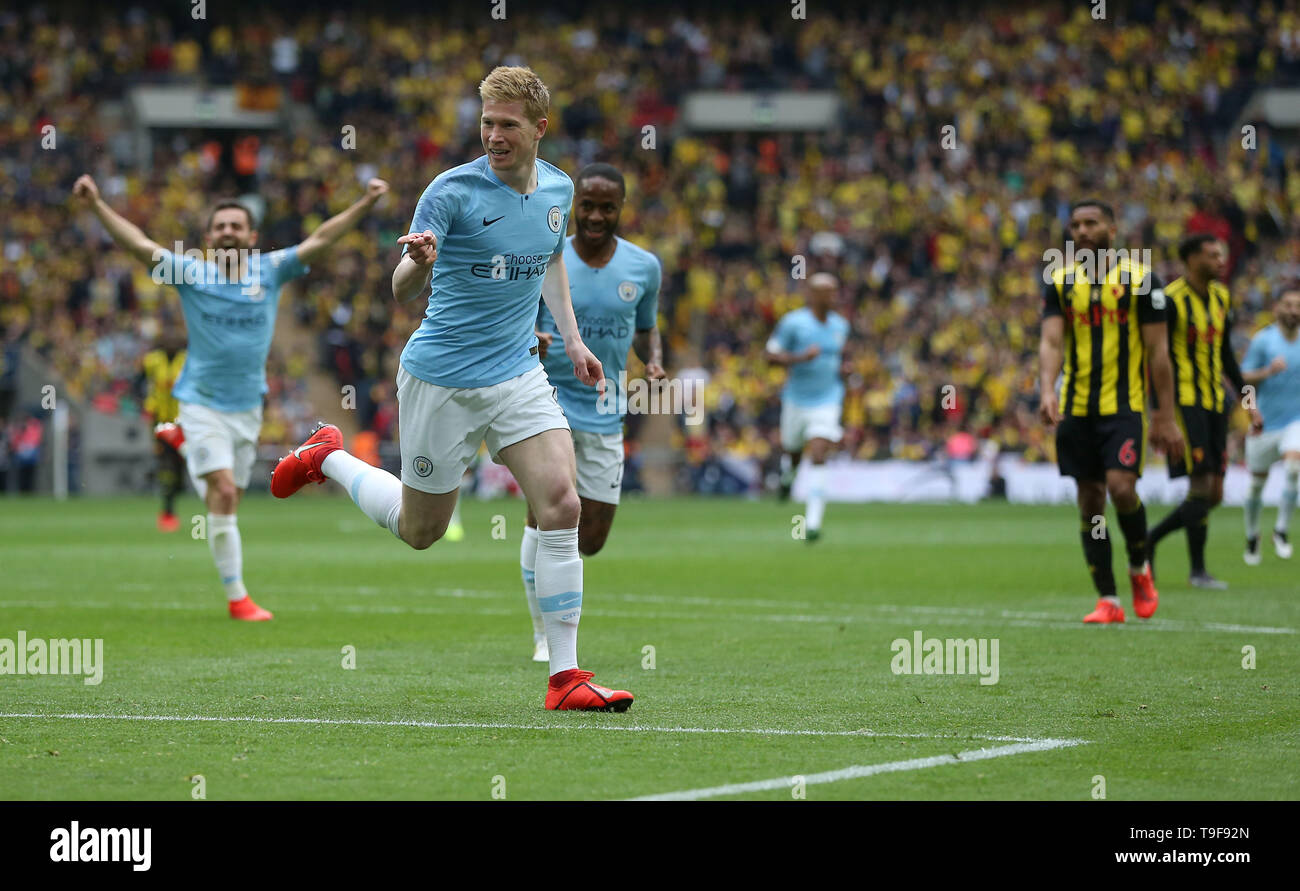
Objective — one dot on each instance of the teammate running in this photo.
(614, 286)
(810, 342)
(1272, 364)
(229, 299)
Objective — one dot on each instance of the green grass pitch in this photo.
(752, 632)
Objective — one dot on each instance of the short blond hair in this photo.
(515, 84)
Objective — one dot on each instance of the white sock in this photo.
(455, 514)
(1254, 505)
(528, 569)
(1288, 495)
(816, 495)
(559, 594)
(228, 554)
(377, 492)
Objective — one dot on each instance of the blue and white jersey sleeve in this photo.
(1256, 354)
(282, 266)
(436, 210)
(647, 308)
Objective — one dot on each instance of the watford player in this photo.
(1107, 331)
(1200, 317)
(161, 367)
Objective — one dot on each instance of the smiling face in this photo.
(230, 228)
(1288, 310)
(509, 137)
(596, 209)
(1090, 229)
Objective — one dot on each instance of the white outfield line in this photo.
(881, 613)
(865, 770)
(475, 725)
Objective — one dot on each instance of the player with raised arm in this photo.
(482, 250)
(614, 286)
(1272, 365)
(810, 342)
(1200, 351)
(1107, 321)
(229, 299)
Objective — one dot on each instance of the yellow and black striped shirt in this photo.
(1105, 363)
(161, 372)
(1198, 340)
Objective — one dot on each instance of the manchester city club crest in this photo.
(626, 292)
(555, 218)
(422, 466)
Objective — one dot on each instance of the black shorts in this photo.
(1087, 446)
(1206, 435)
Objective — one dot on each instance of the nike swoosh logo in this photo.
(487, 222)
(297, 453)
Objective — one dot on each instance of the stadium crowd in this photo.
(961, 141)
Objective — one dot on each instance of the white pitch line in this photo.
(885, 613)
(472, 725)
(864, 770)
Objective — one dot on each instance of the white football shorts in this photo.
(219, 440)
(441, 428)
(600, 465)
(1264, 450)
(801, 423)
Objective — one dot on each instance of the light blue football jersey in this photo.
(494, 245)
(611, 304)
(815, 382)
(1279, 395)
(230, 326)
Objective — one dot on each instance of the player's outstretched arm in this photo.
(1050, 355)
(1164, 430)
(330, 231)
(555, 291)
(128, 235)
(649, 348)
(415, 270)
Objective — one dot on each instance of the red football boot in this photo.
(571, 690)
(1145, 597)
(302, 465)
(170, 434)
(247, 611)
(168, 522)
(1105, 613)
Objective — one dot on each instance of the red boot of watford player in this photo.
(1105, 613)
(1145, 597)
(302, 465)
(572, 690)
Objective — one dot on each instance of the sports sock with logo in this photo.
(1254, 505)
(1097, 554)
(559, 594)
(1134, 526)
(376, 491)
(1287, 504)
(528, 570)
(1197, 511)
(228, 553)
(816, 507)
(1173, 521)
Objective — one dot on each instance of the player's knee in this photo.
(422, 537)
(562, 509)
(590, 541)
